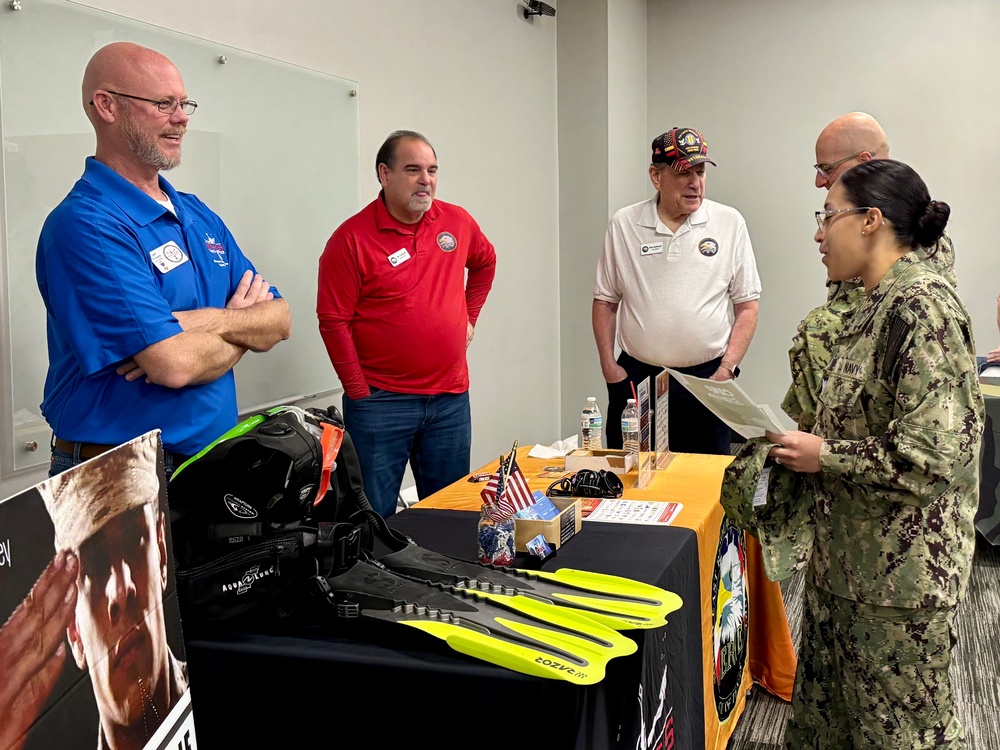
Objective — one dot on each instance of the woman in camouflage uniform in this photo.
(895, 450)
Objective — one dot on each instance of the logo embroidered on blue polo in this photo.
(216, 249)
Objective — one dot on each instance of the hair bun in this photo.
(931, 224)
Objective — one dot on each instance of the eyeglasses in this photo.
(823, 217)
(825, 170)
(166, 106)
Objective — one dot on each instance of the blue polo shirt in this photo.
(112, 266)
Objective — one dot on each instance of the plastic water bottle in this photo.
(630, 427)
(591, 425)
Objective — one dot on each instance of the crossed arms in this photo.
(214, 339)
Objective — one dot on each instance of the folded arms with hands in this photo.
(214, 339)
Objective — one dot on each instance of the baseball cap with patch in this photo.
(680, 149)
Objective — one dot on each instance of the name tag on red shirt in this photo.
(400, 256)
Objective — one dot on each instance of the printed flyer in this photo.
(630, 511)
(726, 400)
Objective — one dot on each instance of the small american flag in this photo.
(507, 491)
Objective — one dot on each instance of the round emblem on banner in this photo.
(708, 247)
(447, 242)
(173, 253)
(731, 610)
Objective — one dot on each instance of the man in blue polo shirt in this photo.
(150, 301)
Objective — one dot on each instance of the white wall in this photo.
(542, 161)
(628, 147)
(480, 81)
(583, 196)
(603, 155)
(762, 79)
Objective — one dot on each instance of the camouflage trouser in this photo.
(873, 677)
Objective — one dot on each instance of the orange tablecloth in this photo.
(695, 481)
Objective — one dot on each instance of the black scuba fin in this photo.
(516, 632)
(620, 603)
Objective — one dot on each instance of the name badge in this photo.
(168, 256)
(760, 491)
(651, 248)
(400, 256)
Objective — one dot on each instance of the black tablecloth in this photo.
(988, 516)
(392, 685)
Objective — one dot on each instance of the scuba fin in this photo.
(619, 603)
(518, 633)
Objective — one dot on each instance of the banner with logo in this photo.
(91, 642)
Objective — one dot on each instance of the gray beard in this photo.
(419, 204)
(146, 149)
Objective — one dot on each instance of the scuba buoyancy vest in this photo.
(256, 513)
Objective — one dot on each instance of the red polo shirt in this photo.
(393, 299)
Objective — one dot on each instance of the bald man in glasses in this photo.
(852, 139)
(150, 302)
(847, 141)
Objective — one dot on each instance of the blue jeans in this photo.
(62, 460)
(433, 433)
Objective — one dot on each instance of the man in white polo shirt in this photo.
(677, 284)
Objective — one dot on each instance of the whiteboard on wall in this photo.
(273, 149)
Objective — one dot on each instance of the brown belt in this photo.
(87, 450)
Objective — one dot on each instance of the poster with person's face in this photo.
(90, 641)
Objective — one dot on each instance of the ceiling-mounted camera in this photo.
(538, 8)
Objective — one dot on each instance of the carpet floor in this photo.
(975, 669)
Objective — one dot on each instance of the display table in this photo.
(695, 481)
(988, 515)
(392, 685)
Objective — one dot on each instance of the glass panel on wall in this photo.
(273, 149)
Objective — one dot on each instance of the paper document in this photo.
(726, 400)
(630, 511)
(557, 450)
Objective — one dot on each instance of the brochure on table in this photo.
(732, 405)
(662, 390)
(111, 515)
(630, 511)
(646, 456)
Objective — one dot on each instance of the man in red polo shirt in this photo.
(397, 313)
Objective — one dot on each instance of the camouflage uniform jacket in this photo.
(940, 257)
(902, 413)
(810, 351)
(809, 355)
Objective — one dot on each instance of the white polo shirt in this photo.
(676, 289)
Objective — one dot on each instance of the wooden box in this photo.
(619, 462)
(557, 531)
